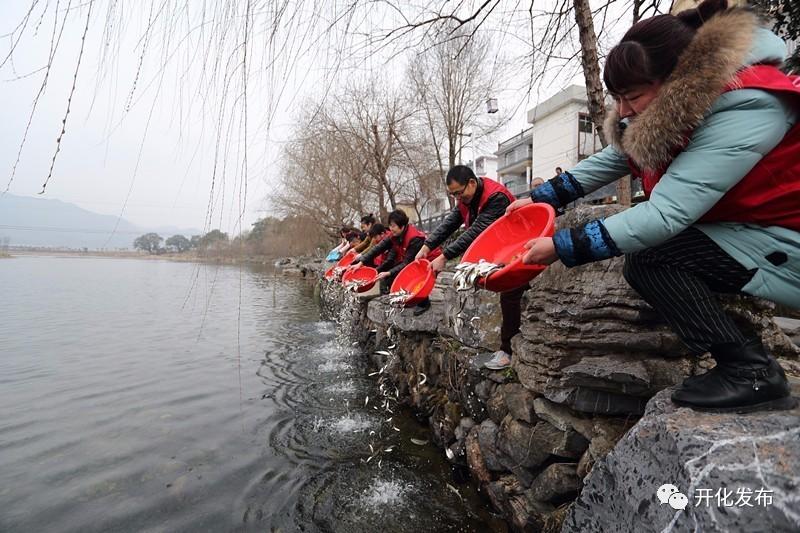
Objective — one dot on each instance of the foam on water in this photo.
(351, 424)
(345, 387)
(385, 492)
(332, 350)
(325, 328)
(334, 366)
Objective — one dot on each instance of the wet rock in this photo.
(557, 483)
(702, 454)
(381, 313)
(524, 447)
(487, 439)
(596, 401)
(562, 417)
(496, 408)
(501, 490)
(443, 423)
(519, 402)
(463, 428)
(521, 517)
(605, 435)
(477, 465)
(585, 465)
(567, 443)
(472, 317)
(484, 389)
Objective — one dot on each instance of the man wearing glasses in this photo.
(479, 202)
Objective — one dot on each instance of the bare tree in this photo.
(370, 118)
(451, 81)
(320, 178)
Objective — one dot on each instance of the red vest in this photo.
(378, 239)
(400, 246)
(768, 195)
(490, 187)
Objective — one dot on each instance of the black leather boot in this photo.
(421, 307)
(745, 379)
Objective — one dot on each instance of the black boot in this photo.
(423, 306)
(745, 379)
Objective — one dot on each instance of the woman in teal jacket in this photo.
(704, 142)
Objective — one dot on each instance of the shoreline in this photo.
(175, 257)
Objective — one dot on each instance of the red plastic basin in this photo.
(342, 263)
(503, 243)
(363, 273)
(347, 259)
(417, 278)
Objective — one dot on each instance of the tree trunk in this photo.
(591, 66)
(594, 87)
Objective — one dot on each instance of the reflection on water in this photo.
(158, 396)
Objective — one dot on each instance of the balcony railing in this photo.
(516, 139)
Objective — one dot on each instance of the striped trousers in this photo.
(677, 278)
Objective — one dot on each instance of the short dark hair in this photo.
(649, 51)
(368, 219)
(559, 170)
(376, 229)
(461, 174)
(399, 217)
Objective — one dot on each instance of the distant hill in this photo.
(28, 221)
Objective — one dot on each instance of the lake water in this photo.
(157, 396)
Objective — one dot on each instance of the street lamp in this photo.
(491, 105)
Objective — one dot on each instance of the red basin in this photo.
(342, 263)
(362, 273)
(503, 243)
(417, 278)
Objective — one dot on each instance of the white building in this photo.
(514, 158)
(485, 165)
(563, 132)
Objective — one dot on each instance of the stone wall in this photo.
(559, 442)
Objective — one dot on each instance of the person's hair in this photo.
(398, 217)
(559, 170)
(376, 230)
(461, 174)
(368, 219)
(649, 50)
(345, 230)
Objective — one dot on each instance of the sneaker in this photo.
(499, 361)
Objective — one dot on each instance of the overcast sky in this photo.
(141, 140)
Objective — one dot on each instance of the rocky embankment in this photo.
(580, 434)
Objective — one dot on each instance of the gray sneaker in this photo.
(499, 361)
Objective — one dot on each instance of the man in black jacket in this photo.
(479, 202)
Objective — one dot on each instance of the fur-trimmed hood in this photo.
(718, 50)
